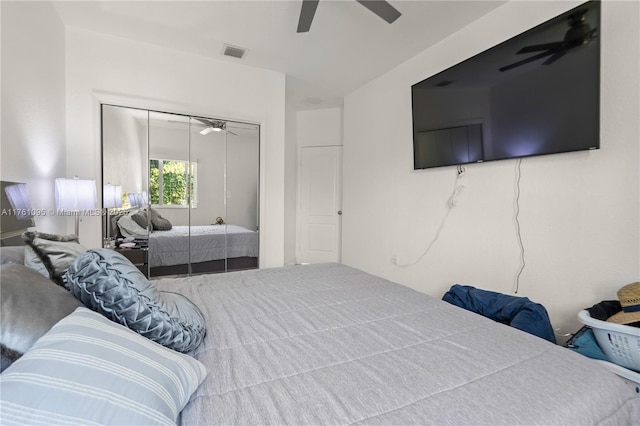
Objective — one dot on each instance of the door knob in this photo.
(339, 212)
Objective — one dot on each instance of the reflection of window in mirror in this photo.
(168, 180)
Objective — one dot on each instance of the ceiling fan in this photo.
(381, 8)
(208, 125)
(578, 34)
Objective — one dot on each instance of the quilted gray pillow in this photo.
(109, 283)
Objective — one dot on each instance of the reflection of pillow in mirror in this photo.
(114, 230)
(31, 305)
(140, 217)
(51, 254)
(159, 223)
(12, 254)
(129, 227)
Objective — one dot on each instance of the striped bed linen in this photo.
(90, 370)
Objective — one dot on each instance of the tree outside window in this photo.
(168, 182)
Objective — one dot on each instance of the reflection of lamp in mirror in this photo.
(111, 198)
(17, 215)
(135, 199)
(75, 195)
(19, 200)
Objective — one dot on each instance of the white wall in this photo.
(291, 170)
(321, 127)
(33, 136)
(124, 142)
(579, 212)
(242, 179)
(103, 68)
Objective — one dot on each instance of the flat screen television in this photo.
(537, 93)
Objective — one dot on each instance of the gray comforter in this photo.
(328, 344)
(185, 244)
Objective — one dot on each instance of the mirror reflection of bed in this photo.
(190, 184)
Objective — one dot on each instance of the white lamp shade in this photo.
(19, 200)
(75, 194)
(135, 199)
(111, 196)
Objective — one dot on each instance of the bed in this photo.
(321, 344)
(209, 248)
(329, 344)
(206, 246)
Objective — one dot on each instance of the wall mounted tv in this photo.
(535, 94)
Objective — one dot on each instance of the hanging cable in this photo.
(516, 215)
(451, 203)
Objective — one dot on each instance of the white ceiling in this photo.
(346, 47)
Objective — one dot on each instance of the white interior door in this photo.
(320, 201)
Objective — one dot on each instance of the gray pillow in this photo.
(129, 227)
(89, 370)
(107, 282)
(51, 254)
(141, 218)
(114, 230)
(159, 223)
(13, 254)
(30, 305)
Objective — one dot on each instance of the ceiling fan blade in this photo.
(203, 122)
(526, 61)
(381, 8)
(306, 15)
(177, 122)
(559, 54)
(539, 47)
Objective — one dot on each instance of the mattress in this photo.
(201, 244)
(328, 344)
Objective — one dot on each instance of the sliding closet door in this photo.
(195, 179)
(171, 193)
(242, 165)
(207, 154)
(125, 170)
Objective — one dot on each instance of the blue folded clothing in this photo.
(518, 312)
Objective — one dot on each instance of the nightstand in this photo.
(138, 256)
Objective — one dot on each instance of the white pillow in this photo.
(129, 227)
(90, 370)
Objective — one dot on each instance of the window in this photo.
(168, 180)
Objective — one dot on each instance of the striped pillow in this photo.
(88, 370)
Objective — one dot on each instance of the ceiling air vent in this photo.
(235, 52)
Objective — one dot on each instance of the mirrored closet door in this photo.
(187, 191)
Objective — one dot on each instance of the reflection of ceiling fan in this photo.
(578, 34)
(212, 126)
(380, 7)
